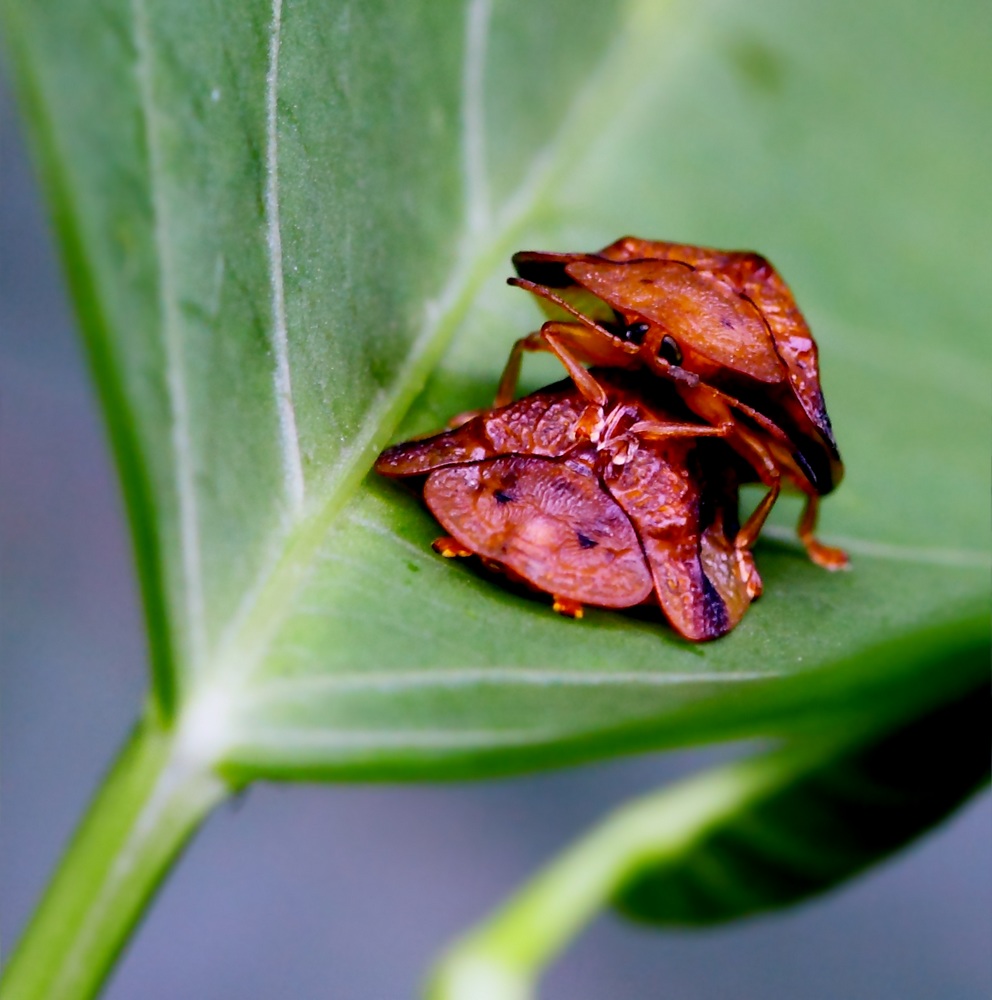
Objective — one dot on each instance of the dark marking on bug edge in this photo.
(502, 498)
(585, 541)
(715, 611)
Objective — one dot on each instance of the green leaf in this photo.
(272, 238)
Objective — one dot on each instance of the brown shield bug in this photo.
(646, 512)
(722, 326)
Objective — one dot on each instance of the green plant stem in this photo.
(503, 957)
(149, 805)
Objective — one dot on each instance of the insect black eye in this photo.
(635, 332)
(669, 350)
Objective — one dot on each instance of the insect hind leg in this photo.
(827, 556)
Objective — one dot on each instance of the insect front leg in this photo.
(506, 391)
(623, 447)
(658, 430)
(460, 419)
(748, 535)
(571, 344)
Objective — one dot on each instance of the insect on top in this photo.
(721, 325)
(690, 371)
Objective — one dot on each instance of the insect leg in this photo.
(751, 447)
(624, 446)
(657, 430)
(565, 341)
(748, 535)
(591, 421)
(823, 555)
(450, 548)
(507, 388)
(459, 419)
(568, 342)
(751, 528)
(567, 607)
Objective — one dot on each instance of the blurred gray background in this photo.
(348, 892)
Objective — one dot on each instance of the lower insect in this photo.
(645, 513)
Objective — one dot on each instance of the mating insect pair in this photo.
(647, 511)
(686, 343)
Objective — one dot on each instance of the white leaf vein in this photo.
(393, 681)
(281, 740)
(477, 23)
(920, 555)
(289, 436)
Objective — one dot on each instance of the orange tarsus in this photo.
(567, 608)
(450, 548)
(827, 556)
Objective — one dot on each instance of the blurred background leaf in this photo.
(822, 823)
(758, 834)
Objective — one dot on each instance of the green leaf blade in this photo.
(294, 223)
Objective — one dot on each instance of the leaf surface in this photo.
(280, 220)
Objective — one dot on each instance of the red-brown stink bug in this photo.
(722, 326)
(646, 512)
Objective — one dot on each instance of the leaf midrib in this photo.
(289, 442)
(168, 309)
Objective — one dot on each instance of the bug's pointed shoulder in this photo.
(467, 443)
(544, 268)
